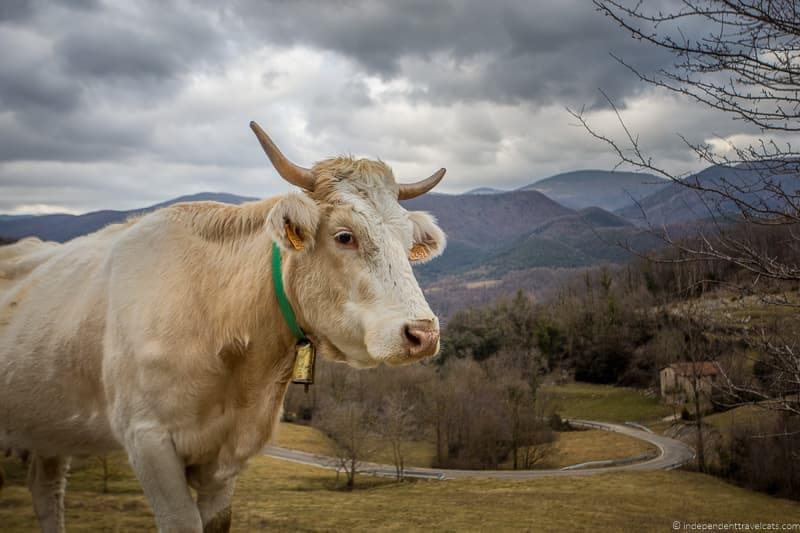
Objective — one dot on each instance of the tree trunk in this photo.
(105, 474)
(698, 416)
(439, 440)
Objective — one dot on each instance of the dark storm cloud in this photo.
(20, 10)
(157, 94)
(136, 54)
(376, 34)
(159, 43)
(70, 58)
(30, 88)
(112, 52)
(15, 9)
(524, 51)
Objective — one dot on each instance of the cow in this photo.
(162, 335)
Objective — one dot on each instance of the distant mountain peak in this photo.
(485, 190)
(609, 190)
(63, 227)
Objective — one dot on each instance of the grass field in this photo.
(594, 445)
(743, 416)
(282, 496)
(309, 439)
(604, 403)
(752, 312)
(572, 447)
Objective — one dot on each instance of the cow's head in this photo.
(348, 247)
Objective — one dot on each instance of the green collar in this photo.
(280, 294)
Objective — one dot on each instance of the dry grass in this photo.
(575, 447)
(604, 403)
(284, 496)
(741, 416)
(594, 445)
(750, 313)
(312, 440)
(304, 438)
(572, 447)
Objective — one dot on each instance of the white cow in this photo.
(162, 335)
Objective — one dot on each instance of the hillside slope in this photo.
(583, 238)
(676, 203)
(598, 188)
(489, 235)
(62, 227)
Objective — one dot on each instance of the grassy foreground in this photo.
(282, 496)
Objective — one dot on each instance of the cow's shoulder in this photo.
(216, 221)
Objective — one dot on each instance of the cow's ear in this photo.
(429, 239)
(292, 222)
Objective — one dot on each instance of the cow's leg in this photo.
(163, 477)
(47, 481)
(214, 494)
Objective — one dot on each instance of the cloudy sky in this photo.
(120, 103)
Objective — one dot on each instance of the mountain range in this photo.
(598, 188)
(610, 190)
(488, 234)
(495, 235)
(63, 227)
(762, 186)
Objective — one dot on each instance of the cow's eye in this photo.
(345, 238)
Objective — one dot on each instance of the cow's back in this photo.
(52, 320)
(20, 258)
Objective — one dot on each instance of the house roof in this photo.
(700, 368)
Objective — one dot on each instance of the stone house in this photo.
(677, 382)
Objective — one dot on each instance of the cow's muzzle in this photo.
(421, 338)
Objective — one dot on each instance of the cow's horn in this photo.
(294, 174)
(412, 190)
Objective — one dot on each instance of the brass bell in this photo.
(304, 357)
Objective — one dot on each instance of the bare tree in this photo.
(751, 44)
(350, 426)
(515, 401)
(106, 471)
(742, 58)
(700, 367)
(514, 375)
(745, 62)
(775, 382)
(397, 427)
(539, 447)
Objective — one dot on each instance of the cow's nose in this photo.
(422, 338)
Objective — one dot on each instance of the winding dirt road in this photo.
(672, 454)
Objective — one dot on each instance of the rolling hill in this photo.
(62, 227)
(497, 242)
(578, 239)
(675, 203)
(488, 220)
(485, 190)
(597, 188)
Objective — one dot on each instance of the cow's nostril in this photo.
(422, 338)
(413, 340)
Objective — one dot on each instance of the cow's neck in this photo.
(244, 307)
(258, 347)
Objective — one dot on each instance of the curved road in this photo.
(672, 454)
